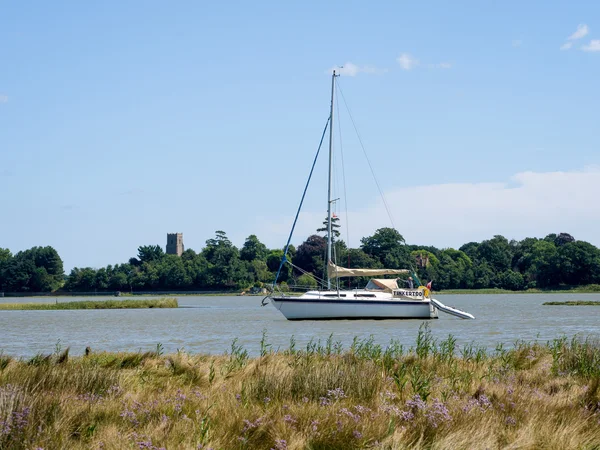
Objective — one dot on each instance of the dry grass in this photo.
(169, 302)
(433, 395)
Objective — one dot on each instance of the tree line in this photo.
(557, 260)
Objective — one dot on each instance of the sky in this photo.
(121, 122)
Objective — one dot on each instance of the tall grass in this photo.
(429, 394)
(94, 304)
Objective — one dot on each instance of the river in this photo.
(209, 325)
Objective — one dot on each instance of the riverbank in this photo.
(573, 303)
(99, 304)
(433, 395)
(589, 289)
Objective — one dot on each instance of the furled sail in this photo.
(338, 272)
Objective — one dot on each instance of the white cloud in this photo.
(407, 62)
(3, 98)
(351, 70)
(530, 204)
(593, 46)
(582, 31)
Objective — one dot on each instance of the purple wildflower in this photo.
(437, 413)
(416, 403)
(357, 434)
(350, 414)
(280, 444)
(324, 401)
(510, 421)
(289, 419)
(336, 393)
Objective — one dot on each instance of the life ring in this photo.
(425, 291)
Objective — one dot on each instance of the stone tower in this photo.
(175, 244)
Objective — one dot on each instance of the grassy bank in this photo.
(573, 303)
(98, 304)
(590, 289)
(433, 395)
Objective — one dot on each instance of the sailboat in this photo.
(380, 299)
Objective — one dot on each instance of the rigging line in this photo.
(287, 245)
(367, 157)
(321, 281)
(339, 121)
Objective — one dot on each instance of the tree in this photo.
(150, 253)
(38, 269)
(578, 263)
(225, 267)
(306, 281)
(387, 245)
(562, 239)
(253, 249)
(497, 252)
(310, 255)
(334, 227)
(273, 263)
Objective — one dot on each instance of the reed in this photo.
(431, 394)
(94, 304)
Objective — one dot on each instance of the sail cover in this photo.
(338, 272)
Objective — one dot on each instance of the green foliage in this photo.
(306, 281)
(38, 269)
(253, 249)
(556, 262)
(387, 246)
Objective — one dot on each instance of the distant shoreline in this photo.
(593, 289)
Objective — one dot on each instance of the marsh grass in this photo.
(586, 289)
(573, 303)
(429, 394)
(97, 304)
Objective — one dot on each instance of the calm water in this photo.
(209, 324)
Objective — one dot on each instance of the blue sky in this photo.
(122, 122)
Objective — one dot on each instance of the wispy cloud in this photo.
(3, 98)
(351, 70)
(582, 31)
(566, 46)
(593, 46)
(514, 208)
(407, 61)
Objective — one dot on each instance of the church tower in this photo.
(175, 244)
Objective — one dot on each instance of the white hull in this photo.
(313, 306)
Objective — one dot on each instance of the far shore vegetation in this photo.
(557, 262)
(573, 303)
(98, 304)
(426, 395)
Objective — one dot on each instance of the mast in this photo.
(329, 180)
